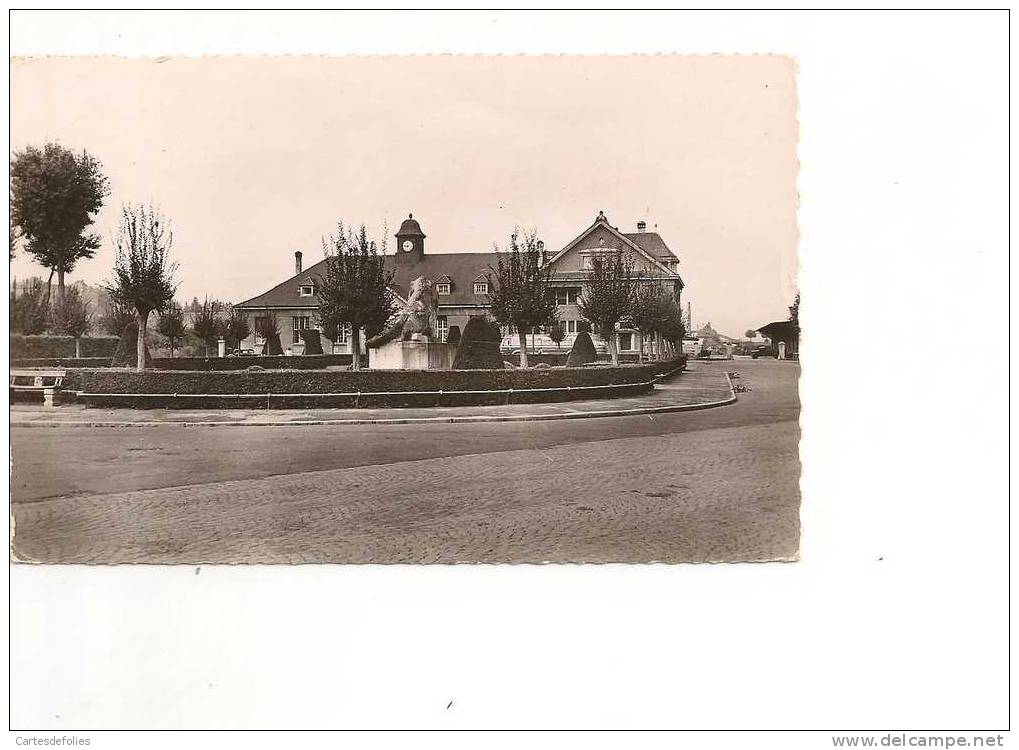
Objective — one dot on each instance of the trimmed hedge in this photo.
(53, 347)
(302, 362)
(62, 362)
(295, 388)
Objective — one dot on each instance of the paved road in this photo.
(720, 484)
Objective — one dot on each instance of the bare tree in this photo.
(143, 272)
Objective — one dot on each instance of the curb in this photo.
(601, 413)
(406, 420)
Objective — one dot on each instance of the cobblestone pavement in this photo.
(714, 485)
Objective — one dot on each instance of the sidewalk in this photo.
(699, 387)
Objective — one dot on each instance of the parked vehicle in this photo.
(763, 351)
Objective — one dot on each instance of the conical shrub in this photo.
(582, 352)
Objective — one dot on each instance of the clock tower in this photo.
(410, 242)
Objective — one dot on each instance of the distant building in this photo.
(782, 331)
(461, 282)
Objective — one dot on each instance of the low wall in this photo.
(365, 388)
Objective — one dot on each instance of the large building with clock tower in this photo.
(462, 281)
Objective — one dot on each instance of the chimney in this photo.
(641, 226)
(297, 262)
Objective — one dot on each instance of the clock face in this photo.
(408, 245)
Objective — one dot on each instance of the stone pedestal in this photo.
(413, 355)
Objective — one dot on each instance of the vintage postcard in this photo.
(420, 309)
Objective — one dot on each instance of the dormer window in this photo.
(442, 289)
(305, 290)
(481, 287)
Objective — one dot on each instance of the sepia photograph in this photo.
(404, 310)
(414, 374)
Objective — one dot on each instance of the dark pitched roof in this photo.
(285, 294)
(652, 244)
(461, 269)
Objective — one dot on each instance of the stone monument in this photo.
(409, 341)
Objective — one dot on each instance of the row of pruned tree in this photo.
(522, 297)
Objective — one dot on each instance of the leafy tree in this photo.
(608, 295)
(30, 311)
(55, 194)
(171, 325)
(268, 327)
(143, 272)
(355, 288)
(749, 333)
(205, 323)
(520, 293)
(672, 327)
(236, 328)
(115, 317)
(557, 333)
(71, 317)
(647, 310)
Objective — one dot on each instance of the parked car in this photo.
(763, 351)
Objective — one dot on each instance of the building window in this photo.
(301, 323)
(342, 334)
(481, 287)
(567, 295)
(442, 327)
(305, 290)
(442, 289)
(625, 342)
(571, 326)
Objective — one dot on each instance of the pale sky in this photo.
(254, 158)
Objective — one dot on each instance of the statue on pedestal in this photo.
(418, 319)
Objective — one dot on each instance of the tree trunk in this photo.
(49, 286)
(355, 348)
(171, 348)
(60, 285)
(613, 342)
(143, 324)
(523, 345)
(77, 348)
(640, 349)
